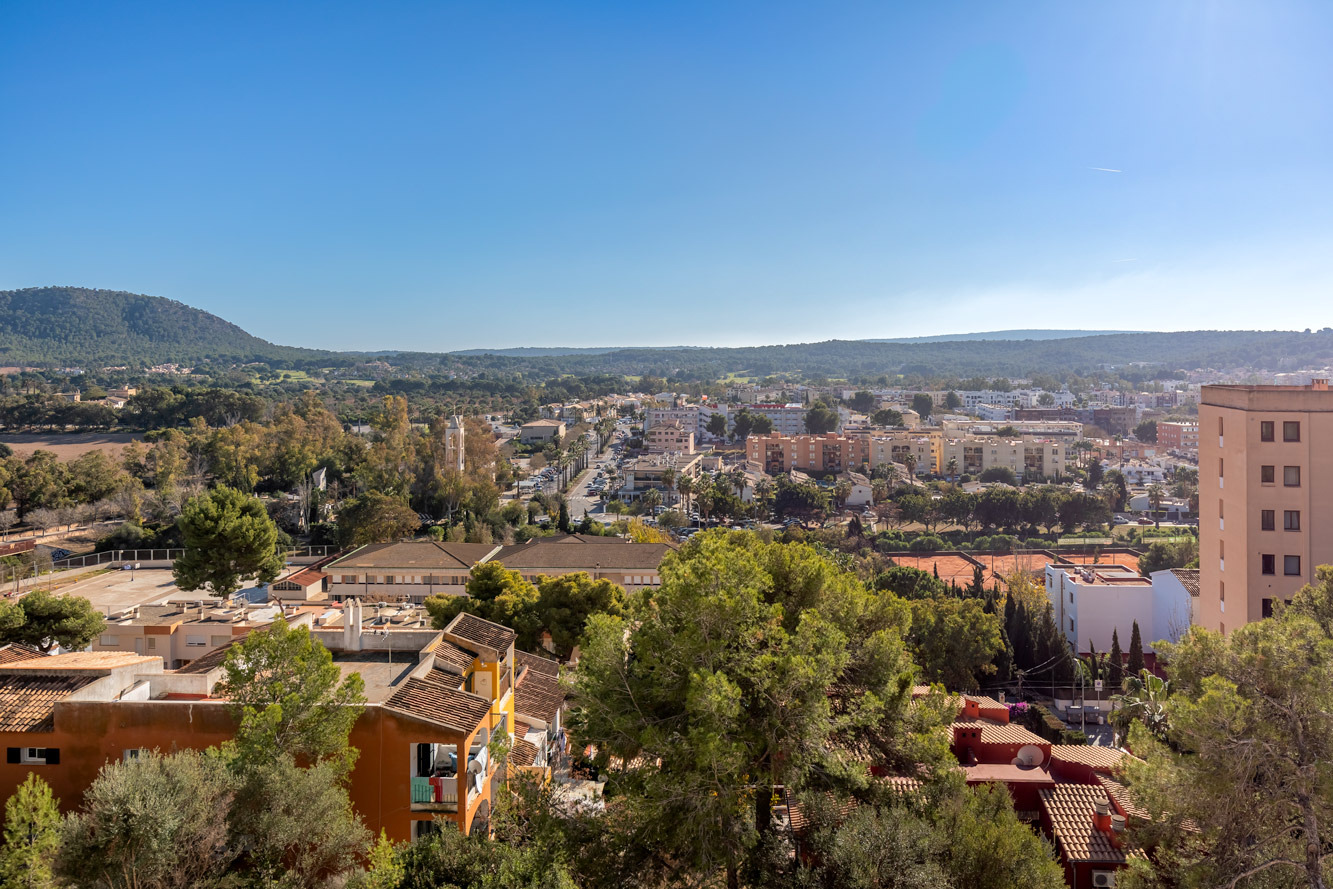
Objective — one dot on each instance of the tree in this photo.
(1095, 475)
(886, 417)
(562, 521)
(1162, 555)
(952, 401)
(1247, 768)
(374, 517)
(44, 621)
(1002, 474)
(763, 424)
(910, 583)
(820, 419)
(156, 821)
(862, 401)
(287, 696)
(1146, 431)
(743, 424)
(923, 404)
(739, 671)
(497, 594)
(954, 641)
(228, 539)
(1135, 665)
(32, 836)
(1117, 661)
(568, 601)
(717, 425)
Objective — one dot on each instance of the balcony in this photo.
(437, 789)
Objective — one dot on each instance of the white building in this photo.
(1093, 601)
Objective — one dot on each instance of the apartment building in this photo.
(1265, 496)
(183, 631)
(1092, 602)
(650, 472)
(669, 436)
(778, 453)
(541, 431)
(1178, 435)
(434, 701)
(921, 446)
(1028, 458)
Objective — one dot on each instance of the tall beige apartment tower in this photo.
(1265, 497)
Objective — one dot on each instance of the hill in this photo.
(78, 326)
(999, 335)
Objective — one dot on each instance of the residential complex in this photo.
(435, 699)
(669, 436)
(1265, 497)
(1178, 435)
(932, 451)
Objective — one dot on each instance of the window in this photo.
(1291, 476)
(1267, 474)
(1291, 430)
(1266, 430)
(48, 756)
(1267, 520)
(388, 578)
(347, 578)
(1268, 563)
(1266, 608)
(195, 641)
(1291, 566)
(1219, 426)
(134, 753)
(152, 642)
(1221, 592)
(108, 640)
(1291, 520)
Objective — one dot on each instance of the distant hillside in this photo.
(999, 335)
(78, 326)
(553, 351)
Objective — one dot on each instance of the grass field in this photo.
(68, 447)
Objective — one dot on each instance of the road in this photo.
(581, 499)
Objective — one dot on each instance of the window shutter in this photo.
(13, 755)
(53, 756)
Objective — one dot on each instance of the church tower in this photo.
(453, 443)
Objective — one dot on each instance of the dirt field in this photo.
(68, 447)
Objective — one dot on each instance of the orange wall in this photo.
(91, 733)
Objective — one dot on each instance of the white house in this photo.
(1092, 601)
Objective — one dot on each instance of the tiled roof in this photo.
(588, 557)
(1189, 579)
(26, 701)
(437, 698)
(523, 754)
(986, 703)
(538, 695)
(78, 661)
(1099, 758)
(539, 664)
(471, 628)
(447, 654)
(15, 652)
(413, 555)
(1069, 808)
(1120, 794)
(1001, 733)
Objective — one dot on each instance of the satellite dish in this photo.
(1030, 756)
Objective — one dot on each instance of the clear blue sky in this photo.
(445, 175)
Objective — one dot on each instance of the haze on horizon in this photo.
(450, 176)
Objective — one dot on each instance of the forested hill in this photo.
(78, 326)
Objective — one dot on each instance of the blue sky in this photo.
(443, 175)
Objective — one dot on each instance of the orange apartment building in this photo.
(1178, 435)
(830, 452)
(434, 701)
(1265, 497)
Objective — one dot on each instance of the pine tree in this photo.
(1117, 668)
(978, 587)
(32, 825)
(1136, 664)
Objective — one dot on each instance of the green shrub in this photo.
(926, 543)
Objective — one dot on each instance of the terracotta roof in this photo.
(539, 664)
(523, 754)
(27, 701)
(437, 698)
(1006, 773)
(471, 628)
(447, 654)
(304, 577)
(78, 661)
(538, 695)
(1001, 733)
(587, 557)
(1099, 758)
(1069, 809)
(986, 703)
(15, 652)
(1189, 579)
(418, 555)
(1119, 793)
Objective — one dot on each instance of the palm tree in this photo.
(685, 485)
(1155, 497)
(738, 480)
(651, 499)
(910, 462)
(669, 481)
(952, 468)
(1144, 699)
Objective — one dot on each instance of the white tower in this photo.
(453, 443)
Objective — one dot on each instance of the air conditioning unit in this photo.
(1103, 878)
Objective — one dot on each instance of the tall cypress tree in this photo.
(1116, 670)
(1135, 665)
(977, 589)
